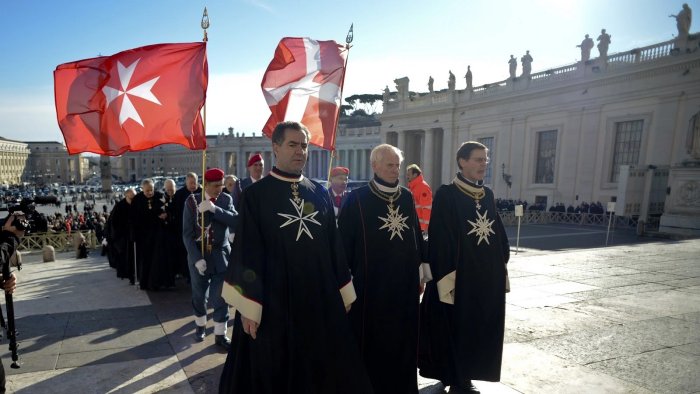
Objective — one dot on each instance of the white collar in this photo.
(386, 189)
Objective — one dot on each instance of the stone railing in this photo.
(566, 72)
(640, 55)
(60, 241)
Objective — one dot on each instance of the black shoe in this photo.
(465, 389)
(223, 341)
(200, 333)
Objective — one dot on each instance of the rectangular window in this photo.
(546, 156)
(628, 142)
(488, 141)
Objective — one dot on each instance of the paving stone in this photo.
(691, 348)
(565, 287)
(535, 323)
(643, 306)
(610, 281)
(112, 339)
(663, 371)
(691, 289)
(532, 280)
(145, 376)
(627, 339)
(691, 317)
(652, 277)
(538, 302)
(93, 357)
(530, 370)
(688, 282)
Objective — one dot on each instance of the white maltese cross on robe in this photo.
(301, 218)
(394, 222)
(482, 227)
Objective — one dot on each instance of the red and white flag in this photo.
(303, 83)
(134, 100)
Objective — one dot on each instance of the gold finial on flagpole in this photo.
(205, 24)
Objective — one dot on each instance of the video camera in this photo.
(20, 222)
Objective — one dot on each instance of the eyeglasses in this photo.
(482, 160)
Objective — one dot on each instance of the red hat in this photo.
(254, 159)
(340, 171)
(214, 175)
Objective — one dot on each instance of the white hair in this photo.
(169, 182)
(147, 181)
(378, 152)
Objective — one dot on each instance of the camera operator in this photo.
(9, 240)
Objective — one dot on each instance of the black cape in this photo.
(294, 273)
(384, 267)
(121, 240)
(464, 341)
(147, 229)
(163, 263)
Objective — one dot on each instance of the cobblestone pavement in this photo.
(624, 318)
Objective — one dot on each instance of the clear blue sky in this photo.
(392, 39)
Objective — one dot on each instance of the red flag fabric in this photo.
(134, 100)
(303, 83)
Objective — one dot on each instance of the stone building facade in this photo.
(559, 135)
(49, 162)
(13, 161)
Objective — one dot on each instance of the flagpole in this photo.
(205, 26)
(348, 41)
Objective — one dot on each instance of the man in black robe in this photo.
(121, 237)
(463, 309)
(191, 187)
(383, 244)
(291, 286)
(147, 219)
(162, 267)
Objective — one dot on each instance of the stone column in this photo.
(428, 164)
(402, 146)
(447, 159)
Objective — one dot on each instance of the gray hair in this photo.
(227, 177)
(192, 175)
(147, 181)
(169, 182)
(131, 189)
(378, 152)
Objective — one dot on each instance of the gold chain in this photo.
(390, 198)
(476, 195)
(295, 192)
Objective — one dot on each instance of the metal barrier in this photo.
(585, 219)
(60, 241)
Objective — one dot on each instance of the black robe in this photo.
(147, 229)
(464, 341)
(121, 240)
(293, 275)
(163, 262)
(384, 267)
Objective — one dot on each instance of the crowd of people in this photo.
(326, 283)
(508, 205)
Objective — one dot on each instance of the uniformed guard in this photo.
(208, 266)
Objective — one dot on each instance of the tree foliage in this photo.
(366, 102)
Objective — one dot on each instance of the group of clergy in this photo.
(328, 304)
(326, 284)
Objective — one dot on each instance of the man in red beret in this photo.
(208, 266)
(256, 166)
(338, 189)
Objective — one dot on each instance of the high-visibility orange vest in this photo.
(423, 197)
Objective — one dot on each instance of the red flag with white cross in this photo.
(133, 100)
(304, 83)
